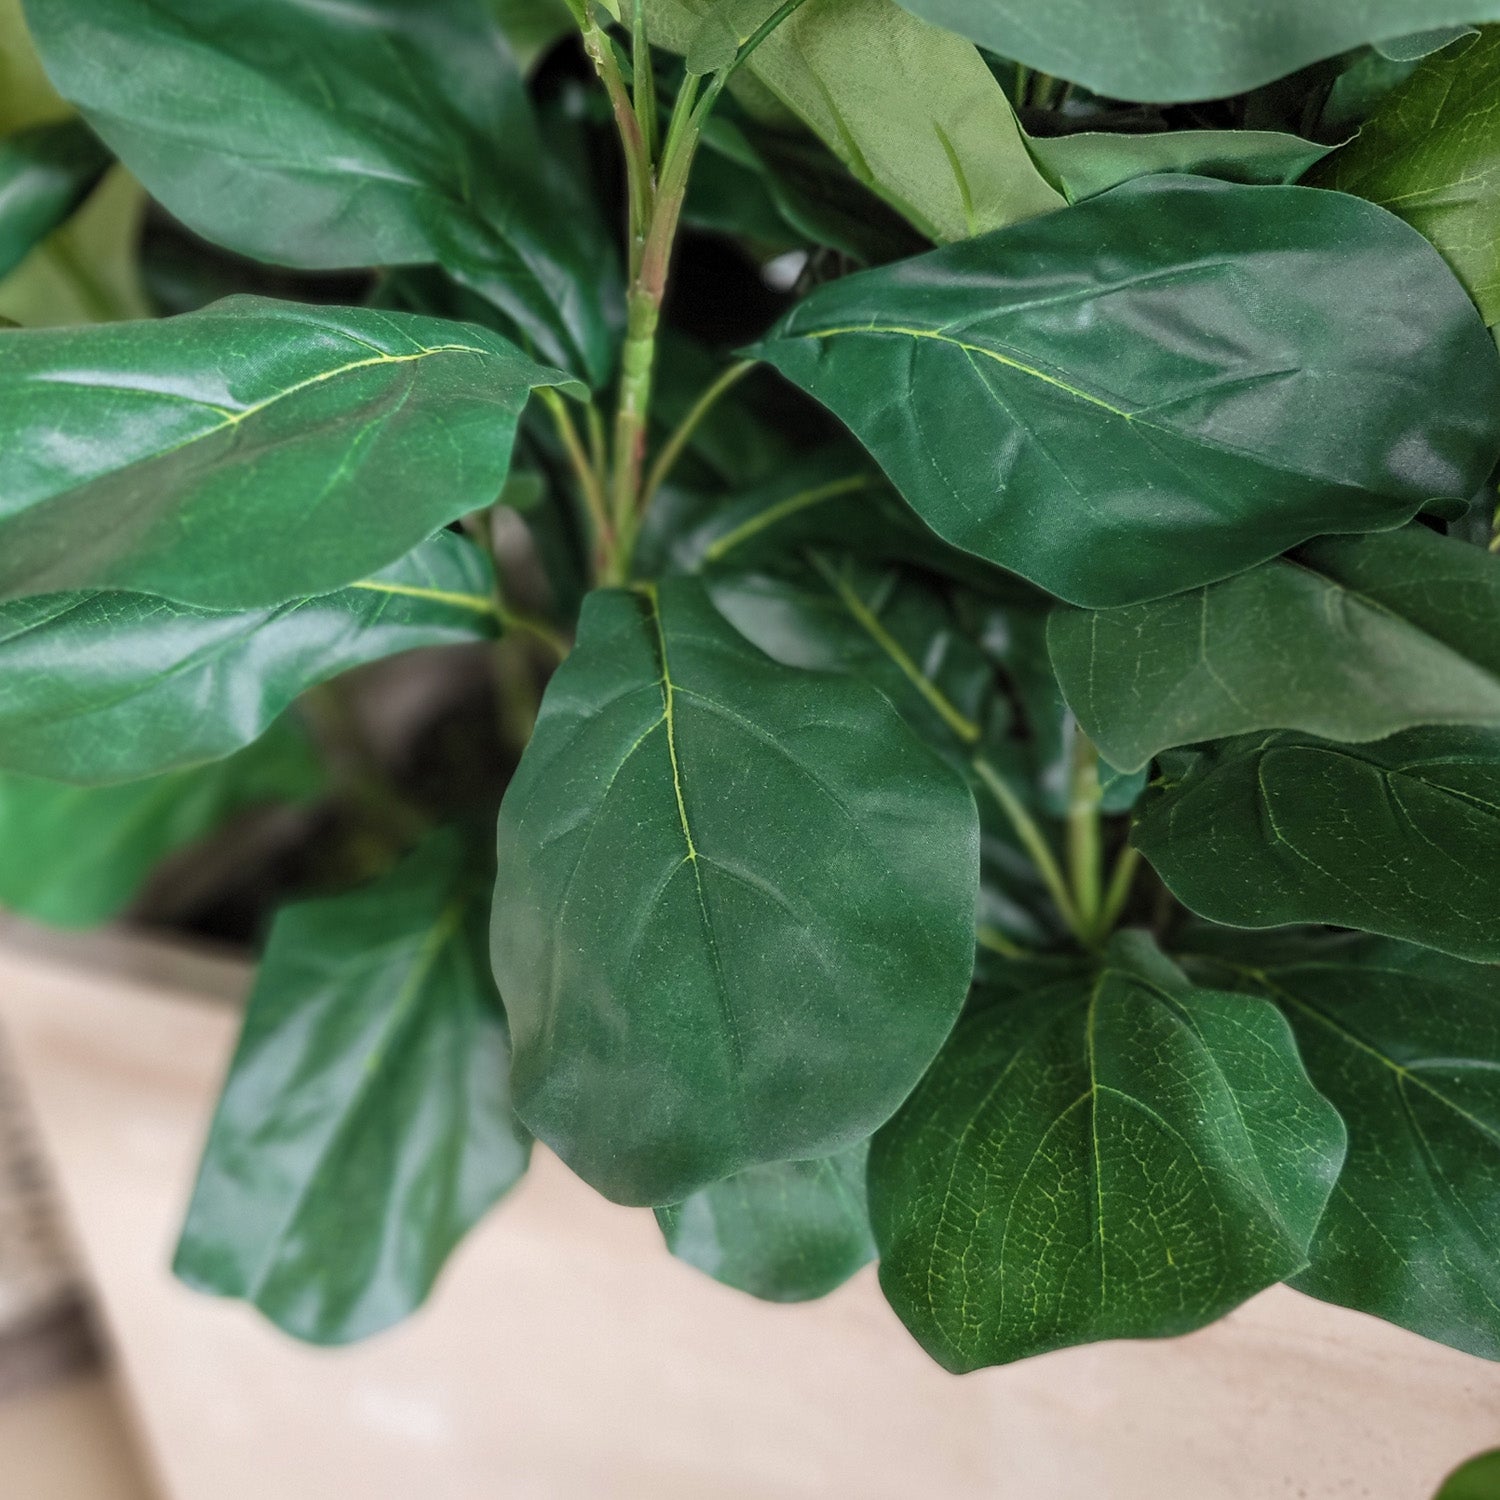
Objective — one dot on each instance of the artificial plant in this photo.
(1000, 503)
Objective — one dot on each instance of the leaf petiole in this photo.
(1035, 846)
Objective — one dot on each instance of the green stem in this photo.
(1035, 846)
(689, 425)
(590, 486)
(1085, 857)
(997, 942)
(1121, 882)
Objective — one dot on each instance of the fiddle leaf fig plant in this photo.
(977, 527)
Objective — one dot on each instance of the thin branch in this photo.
(689, 425)
(1034, 844)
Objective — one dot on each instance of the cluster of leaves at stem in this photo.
(1016, 792)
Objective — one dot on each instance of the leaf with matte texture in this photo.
(102, 687)
(1399, 837)
(1174, 50)
(1350, 638)
(75, 856)
(45, 173)
(787, 1231)
(365, 1126)
(721, 880)
(1406, 1045)
(1122, 1156)
(915, 114)
(1161, 386)
(322, 136)
(1431, 153)
(248, 454)
(1093, 161)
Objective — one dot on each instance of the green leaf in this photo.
(249, 454)
(1173, 50)
(101, 687)
(1125, 1156)
(26, 98)
(1478, 1479)
(721, 880)
(876, 623)
(1406, 1044)
(787, 1231)
(1431, 154)
(87, 271)
(1161, 386)
(914, 113)
(1401, 837)
(1420, 44)
(45, 173)
(366, 1123)
(532, 27)
(327, 136)
(1091, 162)
(1351, 638)
(75, 856)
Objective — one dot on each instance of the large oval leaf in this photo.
(1431, 153)
(101, 687)
(1161, 386)
(75, 856)
(1121, 1157)
(1089, 162)
(787, 1231)
(1351, 638)
(1406, 1044)
(1401, 837)
(915, 114)
(721, 881)
(1170, 50)
(383, 133)
(252, 453)
(366, 1125)
(45, 173)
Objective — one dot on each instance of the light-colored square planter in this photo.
(566, 1356)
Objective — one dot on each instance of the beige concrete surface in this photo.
(68, 1441)
(566, 1357)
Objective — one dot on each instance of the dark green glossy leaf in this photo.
(787, 1231)
(721, 879)
(1351, 638)
(915, 114)
(75, 856)
(1478, 1479)
(1406, 1044)
(1431, 153)
(1171, 50)
(784, 192)
(101, 687)
(1400, 837)
(249, 454)
(45, 173)
(1161, 386)
(1092, 162)
(1125, 1156)
(383, 133)
(876, 623)
(366, 1124)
